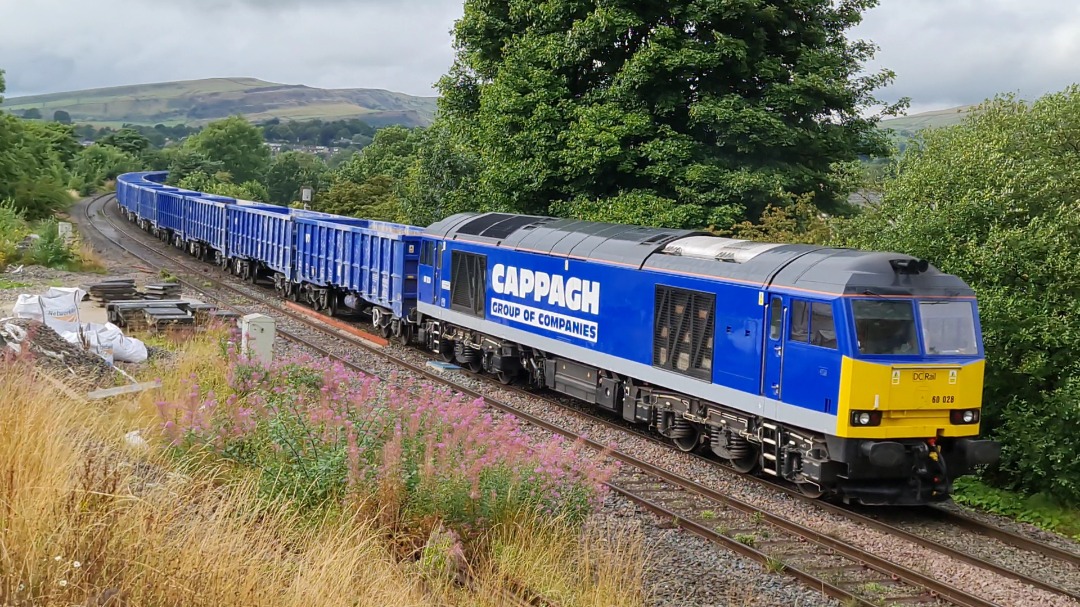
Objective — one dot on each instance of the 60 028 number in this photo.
(947, 400)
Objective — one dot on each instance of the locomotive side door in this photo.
(773, 365)
(428, 270)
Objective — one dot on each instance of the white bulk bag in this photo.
(28, 306)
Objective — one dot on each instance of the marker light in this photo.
(865, 418)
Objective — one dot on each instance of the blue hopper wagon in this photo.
(260, 240)
(345, 261)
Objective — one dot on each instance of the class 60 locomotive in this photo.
(852, 374)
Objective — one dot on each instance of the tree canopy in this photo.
(656, 112)
(996, 200)
(127, 140)
(291, 171)
(237, 145)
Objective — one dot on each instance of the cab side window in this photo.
(427, 253)
(812, 323)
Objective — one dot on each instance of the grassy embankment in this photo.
(49, 249)
(301, 484)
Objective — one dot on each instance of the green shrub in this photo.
(50, 250)
(993, 200)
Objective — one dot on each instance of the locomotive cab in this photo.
(910, 397)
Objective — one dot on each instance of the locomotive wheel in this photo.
(476, 366)
(687, 444)
(447, 357)
(746, 464)
(505, 378)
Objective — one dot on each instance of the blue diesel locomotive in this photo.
(850, 373)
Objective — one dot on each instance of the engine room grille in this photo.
(684, 326)
(468, 280)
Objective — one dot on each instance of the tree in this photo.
(3, 86)
(391, 152)
(235, 143)
(291, 171)
(32, 175)
(994, 201)
(58, 139)
(98, 163)
(373, 199)
(690, 112)
(127, 140)
(221, 185)
(442, 180)
(62, 117)
(32, 114)
(183, 161)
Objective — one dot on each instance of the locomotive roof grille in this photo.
(716, 248)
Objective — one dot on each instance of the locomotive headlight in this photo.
(964, 416)
(865, 418)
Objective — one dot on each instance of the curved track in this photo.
(837, 568)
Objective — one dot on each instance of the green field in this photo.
(917, 122)
(197, 102)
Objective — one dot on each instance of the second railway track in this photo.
(838, 568)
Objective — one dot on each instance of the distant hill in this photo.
(196, 102)
(937, 118)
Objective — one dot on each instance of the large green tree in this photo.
(373, 182)
(996, 201)
(291, 171)
(127, 140)
(683, 113)
(33, 174)
(237, 145)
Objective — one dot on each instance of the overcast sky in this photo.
(945, 52)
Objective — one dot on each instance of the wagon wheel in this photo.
(505, 378)
(446, 357)
(810, 490)
(476, 366)
(404, 333)
(385, 331)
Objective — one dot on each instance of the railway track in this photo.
(870, 519)
(837, 568)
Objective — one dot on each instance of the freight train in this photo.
(852, 374)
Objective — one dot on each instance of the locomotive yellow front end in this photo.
(910, 402)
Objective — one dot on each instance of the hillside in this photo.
(200, 101)
(937, 118)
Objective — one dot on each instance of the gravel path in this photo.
(965, 577)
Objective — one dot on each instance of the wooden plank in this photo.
(110, 392)
(337, 324)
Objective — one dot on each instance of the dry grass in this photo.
(566, 565)
(89, 259)
(145, 535)
(87, 520)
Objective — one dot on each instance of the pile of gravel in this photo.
(49, 351)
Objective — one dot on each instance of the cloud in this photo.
(964, 51)
(945, 53)
(401, 45)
